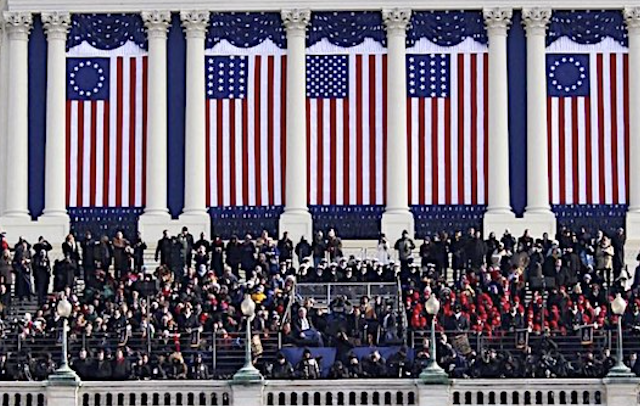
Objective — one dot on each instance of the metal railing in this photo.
(222, 352)
(569, 344)
(324, 293)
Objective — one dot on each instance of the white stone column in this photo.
(195, 25)
(621, 390)
(397, 217)
(62, 393)
(4, 105)
(156, 215)
(632, 18)
(56, 26)
(18, 25)
(296, 219)
(538, 213)
(499, 215)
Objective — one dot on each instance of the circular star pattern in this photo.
(93, 75)
(567, 67)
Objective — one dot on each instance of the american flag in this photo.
(245, 126)
(106, 131)
(447, 128)
(588, 111)
(346, 129)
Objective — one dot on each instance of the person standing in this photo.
(163, 249)
(405, 247)
(334, 246)
(88, 246)
(217, 249)
(285, 246)
(120, 245)
(139, 246)
(6, 271)
(22, 269)
(104, 254)
(382, 251)
(303, 249)
(234, 255)
(71, 249)
(42, 269)
(248, 248)
(318, 248)
(185, 239)
(617, 242)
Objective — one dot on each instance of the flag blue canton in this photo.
(568, 75)
(87, 78)
(428, 75)
(327, 76)
(226, 77)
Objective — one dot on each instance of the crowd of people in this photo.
(132, 321)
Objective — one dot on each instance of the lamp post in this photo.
(248, 373)
(64, 375)
(620, 370)
(433, 373)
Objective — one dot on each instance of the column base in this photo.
(498, 221)
(434, 394)
(197, 222)
(62, 392)
(539, 222)
(395, 222)
(247, 393)
(53, 228)
(151, 225)
(297, 223)
(632, 226)
(621, 390)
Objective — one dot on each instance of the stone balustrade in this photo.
(360, 392)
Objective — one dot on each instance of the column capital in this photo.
(632, 19)
(195, 23)
(56, 24)
(295, 19)
(18, 24)
(157, 22)
(497, 18)
(536, 18)
(396, 20)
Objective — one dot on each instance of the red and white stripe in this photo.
(107, 141)
(447, 138)
(346, 138)
(246, 139)
(589, 136)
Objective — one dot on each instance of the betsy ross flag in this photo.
(588, 135)
(245, 129)
(346, 129)
(106, 131)
(447, 130)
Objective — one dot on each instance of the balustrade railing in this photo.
(141, 393)
(528, 392)
(349, 392)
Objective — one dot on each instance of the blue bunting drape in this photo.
(587, 27)
(246, 30)
(346, 28)
(107, 31)
(446, 28)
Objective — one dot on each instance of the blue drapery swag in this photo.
(346, 28)
(587, 27)
(446, 28)
(107, 31)
(246, 30)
